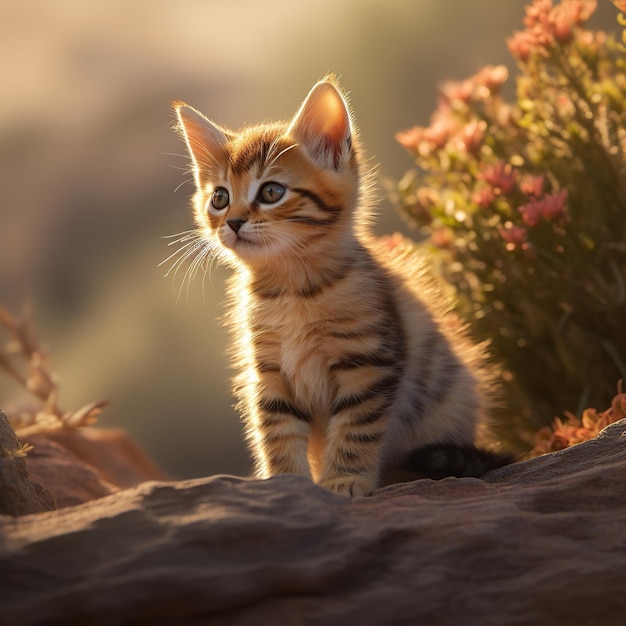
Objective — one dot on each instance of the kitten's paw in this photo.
(350, 486)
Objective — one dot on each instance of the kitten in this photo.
(350, 367)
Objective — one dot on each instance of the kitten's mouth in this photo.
(244, 243)
(240, 241)
(245, 240)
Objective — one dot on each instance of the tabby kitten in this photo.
(349, 366)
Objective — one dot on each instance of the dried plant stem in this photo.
(25, 361)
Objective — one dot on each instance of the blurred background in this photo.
(91, 173)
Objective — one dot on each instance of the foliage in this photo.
(563, 433)
(524, 208)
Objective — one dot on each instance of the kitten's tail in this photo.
(439, 460)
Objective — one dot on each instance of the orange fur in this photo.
(347, 357)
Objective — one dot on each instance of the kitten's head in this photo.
(276, 193)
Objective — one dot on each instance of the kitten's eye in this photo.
(220, 198)
(271, 193)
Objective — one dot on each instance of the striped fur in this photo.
(347, 358)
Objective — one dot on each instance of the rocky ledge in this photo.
(538, 542)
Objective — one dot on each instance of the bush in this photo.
(523, 206)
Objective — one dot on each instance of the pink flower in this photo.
(542, 13)
(543, 35)
(391, 242)
(532, 185)
(457, 90)
(492, 77)
(441, 237)
(424, 140)
(537, 13)
(553, 206)
(562, 21)
(531, 212)
(470, 137)
(513, 236)
(550, 208)
(410, 138)
(522, 44)
(438, 133)
(570, 13)
(593, 40)
(483, 196)
(587, 8)
(500, 176)
(546, 24)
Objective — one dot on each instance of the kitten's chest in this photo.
(299, 332)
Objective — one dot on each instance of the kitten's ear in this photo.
(323, 126)
(206, 142)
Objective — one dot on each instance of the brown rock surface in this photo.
(19, 493)
(539, 542)
(67, 466)
(82, 464)
(110, 451)
(69, 478)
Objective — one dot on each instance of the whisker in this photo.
(183, 232)
(208, 270)
(184, 238)
(205, 262)
(177, 167)
(271, 149)
(190, 270)
(193, 246)
(175, 154)
(187, 254)
(268, 237)
(187, 180)
(178, 251)
(293, 145)
(269, 165)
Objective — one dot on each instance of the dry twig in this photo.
(23, 359)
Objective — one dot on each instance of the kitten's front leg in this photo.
(354, 439)
(279, 431)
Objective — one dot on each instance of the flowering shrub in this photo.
(524, 208)
(563, 433)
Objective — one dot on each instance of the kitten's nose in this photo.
(236, 223)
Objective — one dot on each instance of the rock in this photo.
(19, 494)
(81, 464)
(72, 480)
(539, 542)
